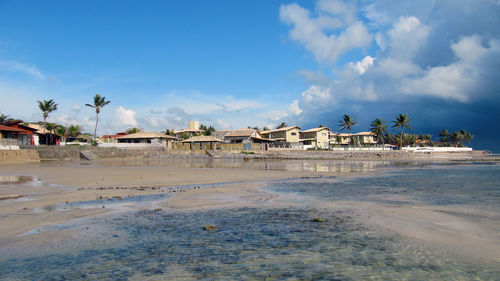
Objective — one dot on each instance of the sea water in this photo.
(276, 243)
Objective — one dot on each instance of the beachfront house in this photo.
(202, 142)
(282, 136)
(43, 135)
(339, 139)
(26, 135)
(245, 135)
(316, 137)
(112, 138)
(153, 138)
(366, 138)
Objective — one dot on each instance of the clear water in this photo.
(273, 243)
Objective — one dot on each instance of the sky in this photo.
(233, 64)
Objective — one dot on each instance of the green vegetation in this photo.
(47, 106)
(282, 125)
(133, 130)
(346, 123)
(402, 121)
(379, 128)
(207, 130)
(99, 102)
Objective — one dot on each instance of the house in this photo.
(44, 136)
(10, 136)
(112, 138)
(187, 133)
(27, 137)
(366, 138)
(80, 139)
(337, 139)
(285, 135)
(148, 137)
(245, 135)
(316, 137)
(202, 142)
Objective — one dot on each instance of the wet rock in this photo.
(158, 209)
(210, 227)
(318, 220)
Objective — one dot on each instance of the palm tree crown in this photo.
(99, 102)
(47, 106)
(347, 122)
(401, 122)
(379, 127)
(282, 125)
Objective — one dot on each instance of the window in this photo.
(323, 134)
(293, 133)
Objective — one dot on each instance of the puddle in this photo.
(16, 179)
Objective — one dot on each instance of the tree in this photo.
(346, 123)
(379, 128)
(282, 125)
(169, 132)
(133, 130)
(99, 102)
(466, 135)
(207, 131)
(401, 122)
(444, 134)
(73, 131)
(47, 106)
(61, 131)
(3, 118)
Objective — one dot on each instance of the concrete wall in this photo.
(18, 156)
(73, 152)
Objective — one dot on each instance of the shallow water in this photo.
(272, 243)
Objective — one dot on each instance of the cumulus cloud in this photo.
(426, 53)
(124, 117)
(462, 79)
(312, 31)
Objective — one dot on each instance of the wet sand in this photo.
(469, 232)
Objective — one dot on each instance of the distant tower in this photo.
(194, 125)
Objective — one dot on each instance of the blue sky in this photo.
(234, 64)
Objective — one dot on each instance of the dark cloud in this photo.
(437, 61)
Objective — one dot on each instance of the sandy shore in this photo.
(472, 233)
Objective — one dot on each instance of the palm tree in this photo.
(281, 125)
(62, 131)
(99, 102)
(73, 130)
(133, 130)
(402, 121)
(347, 123)
(444, 134)
(466, 136)
(379, 128)
(47, 106)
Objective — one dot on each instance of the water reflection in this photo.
(15, 179)
(320, 166)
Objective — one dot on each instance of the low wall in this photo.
(438, 149)
(73, 152)
(18, 156)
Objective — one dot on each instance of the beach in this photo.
(59, 198)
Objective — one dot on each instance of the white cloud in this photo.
(361, 66)
(406, 37)
(311, 32)
(13, 66)
(124, 117)
(462, 79)
(294, 108)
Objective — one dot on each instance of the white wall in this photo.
(438, 149)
